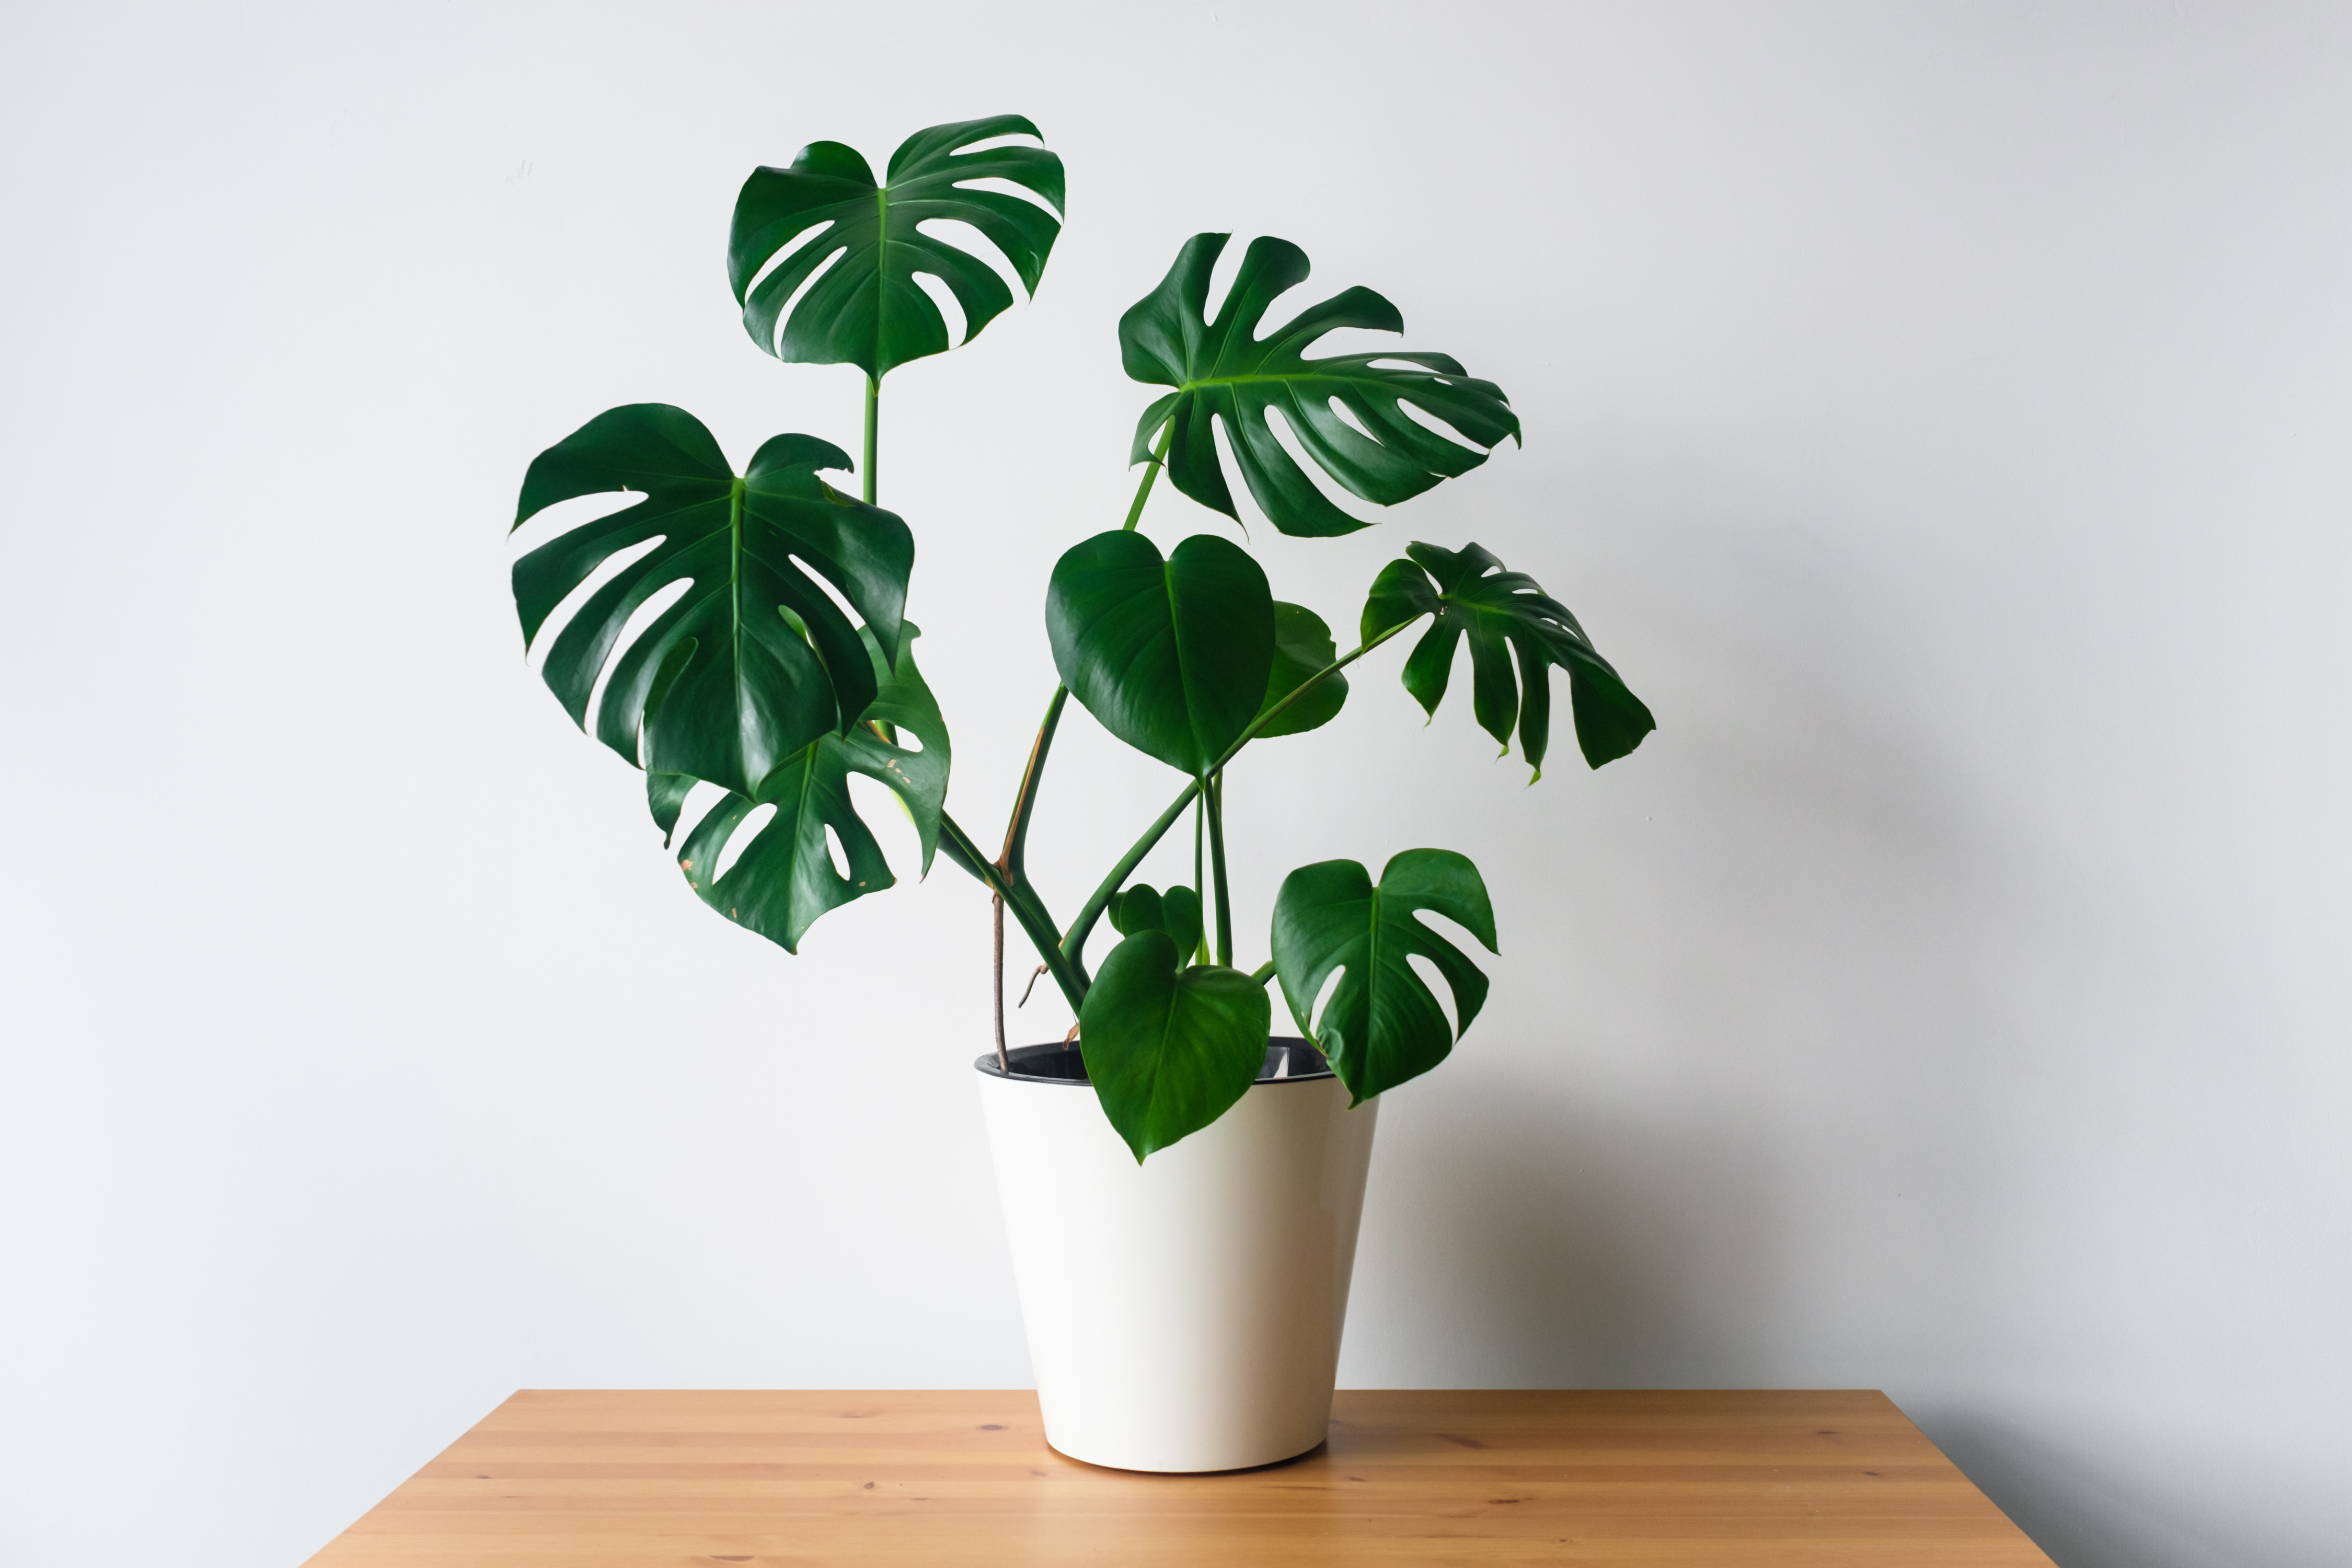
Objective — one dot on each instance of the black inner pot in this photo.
(1286, 1060)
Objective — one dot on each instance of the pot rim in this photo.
(1281, 1065)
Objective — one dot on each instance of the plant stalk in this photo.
(1036, 922)
(1003, 1062)
(1074, 941)
(873, 429)
(1215, 798)
(1144, 490)
(1014, 862)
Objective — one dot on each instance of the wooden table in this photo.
(633, 1480)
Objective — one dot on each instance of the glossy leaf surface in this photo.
(1507, 616)
(1222, 369)
(1169, 1048)
(754, 660)
(785, 879)
(1171, 656)
(866, 308)
(1302, 646)
(1382, 1024)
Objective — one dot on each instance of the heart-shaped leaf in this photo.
(1382, 1025)
(1171, 656)
(1141, 908)
(754, 660)
(1223, 369)
(1505, 612)
(867, 309)
(785, 879)
(1302, 646)
(1170, 1050)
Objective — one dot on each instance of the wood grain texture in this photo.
(654, 1480)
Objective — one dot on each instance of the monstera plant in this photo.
(719, 652)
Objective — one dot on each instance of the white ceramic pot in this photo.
(1183, 1314)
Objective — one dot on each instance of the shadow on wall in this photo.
(1571, 1250)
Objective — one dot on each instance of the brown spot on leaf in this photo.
(868, 1487)
(990, 1427)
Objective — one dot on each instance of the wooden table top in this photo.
(585, 1478)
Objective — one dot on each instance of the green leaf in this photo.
(1382, 1024)
(785, 879)
(1505, 614)
(1302, 646)
(1170, 1050)
(1225, 369)
(1171, 656)
(1142, 908)
(755, 660)
(867, 309)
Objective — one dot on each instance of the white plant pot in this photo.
(1183, 1314)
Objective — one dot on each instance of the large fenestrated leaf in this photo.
(1504, 614)
(784, 878)
(1169, 1048)
(1171, 656)
(755, 660)
(867, 309)
(1223, 370)
(1382, 1024)
(1302, 646)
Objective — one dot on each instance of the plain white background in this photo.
(1937, 411)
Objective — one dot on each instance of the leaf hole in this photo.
(887, 819)
(1005, 187)
(834, 850)
(786, 251)
(746, 831)
(1434, 978)
(1436, 427)
(792, 302)
(1323, 999)
(951, 309)
(657, 604)
(697, 804)
(1346, 415)
(1277, 423)
(990, 143)
(612, 566)
(956, 233)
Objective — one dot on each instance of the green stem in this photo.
(1074, 941)
(1216, 796)
(1144, 490)
(1035, 923)
(873, 428)
(1015, 858)
(1200, 834)
(1264, 973)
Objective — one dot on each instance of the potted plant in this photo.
(1182, 1233)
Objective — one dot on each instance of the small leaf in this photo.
(1136, 908)
(1179, 917)
(1226, 369)
(869, 309)
(1302, 646)
(1171, 656)
(1382, 1024)
(1504, 614)
(1170, 1050)
(785, 879)
(755, 660)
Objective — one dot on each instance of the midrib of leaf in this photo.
(881, 272)
(1378, 982)
(735, 604)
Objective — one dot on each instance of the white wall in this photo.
(1938, 412)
